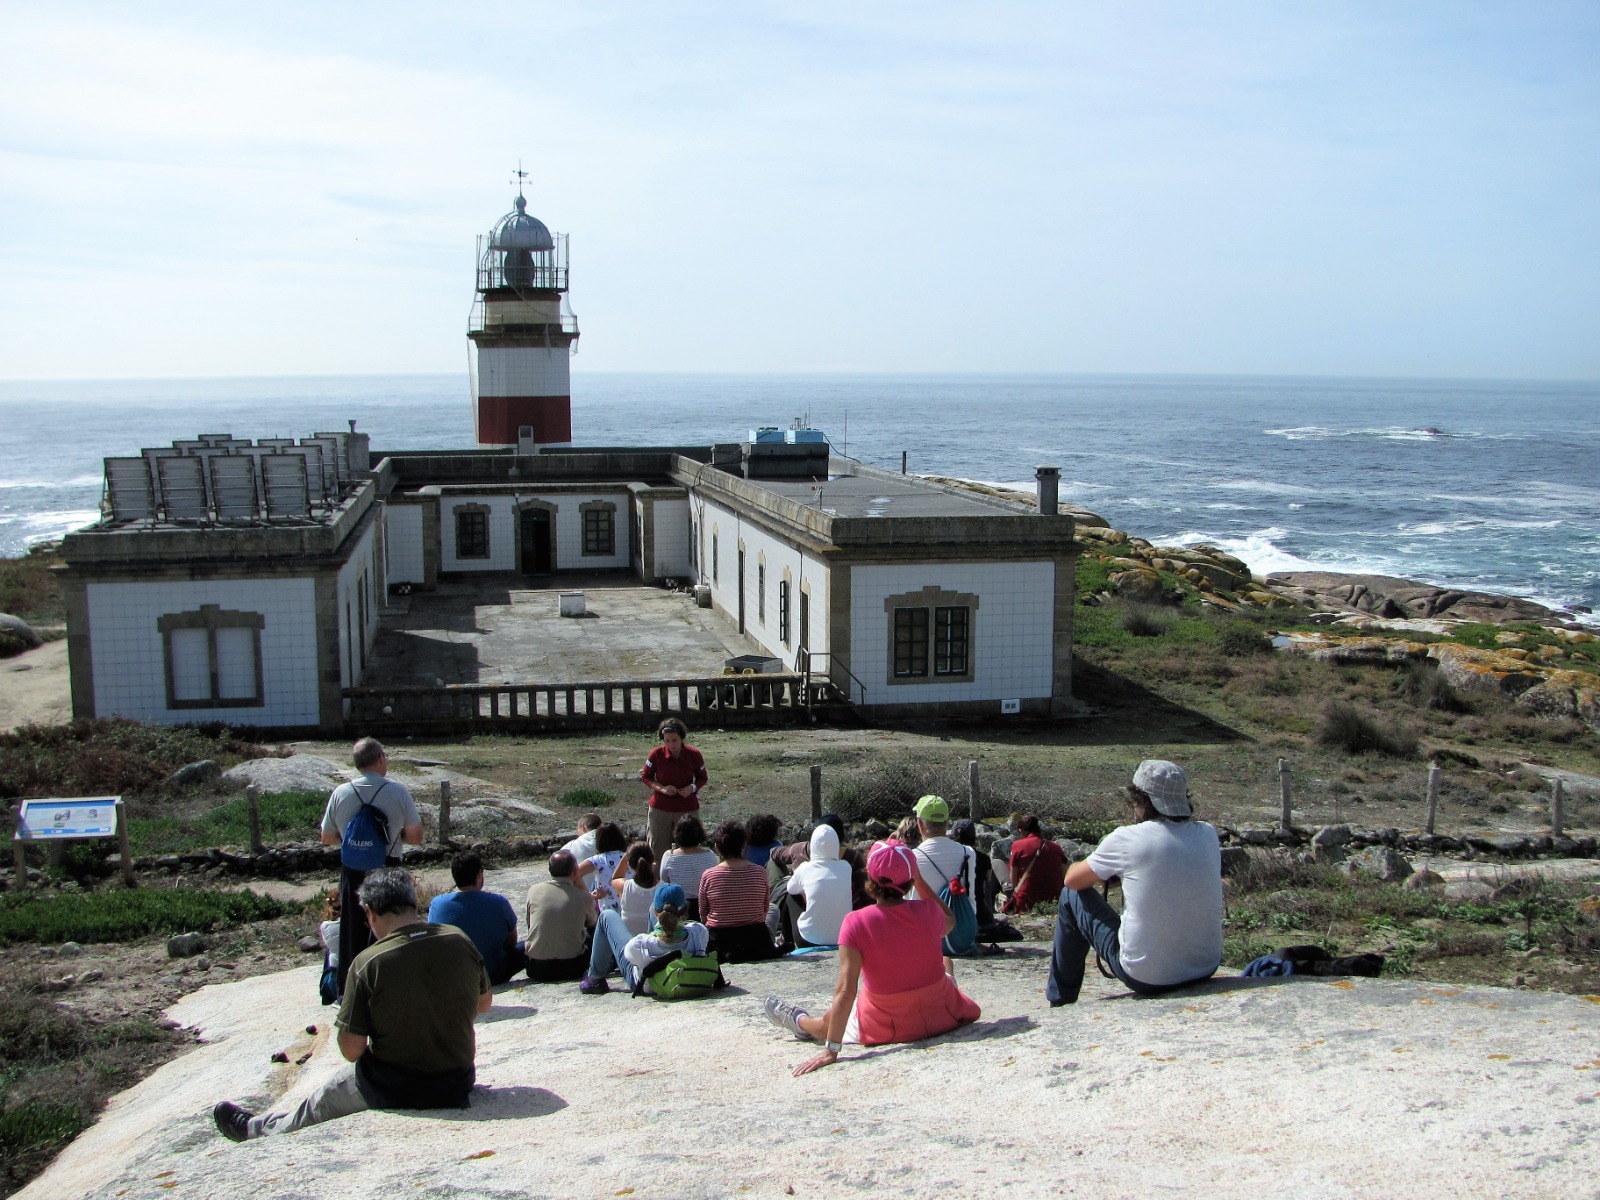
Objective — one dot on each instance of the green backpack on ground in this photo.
(679, 976)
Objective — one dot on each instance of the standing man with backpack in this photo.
(368, 819)
(952, 868)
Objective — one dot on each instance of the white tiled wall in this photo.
(569, 532)
(1012, 629)
(126, 649)
(672, 539)
(358, 575)
(503, 532)
(524, 371)
(729, 528)
(403, 536)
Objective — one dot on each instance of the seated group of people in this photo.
(405, 1022)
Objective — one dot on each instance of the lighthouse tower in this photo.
(522, 332)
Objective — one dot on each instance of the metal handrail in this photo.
(808, 669)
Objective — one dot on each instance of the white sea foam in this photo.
(1444, 528)
(1268, 487)
(1258, 551)
(1391, 433)
(75, 481)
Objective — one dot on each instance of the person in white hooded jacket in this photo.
(824, 881)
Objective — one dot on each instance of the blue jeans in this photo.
(610, 936)
(1086, 921)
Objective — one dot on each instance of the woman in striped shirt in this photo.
(733, 900)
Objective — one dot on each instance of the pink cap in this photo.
(889, 862)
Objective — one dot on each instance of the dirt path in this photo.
(35, 688)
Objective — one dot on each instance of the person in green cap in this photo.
(940, 857)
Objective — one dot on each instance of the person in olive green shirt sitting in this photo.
(405, 1023)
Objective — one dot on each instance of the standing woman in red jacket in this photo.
(675, 772)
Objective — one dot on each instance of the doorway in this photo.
(535, 541)
(805, 622)
(741, 589)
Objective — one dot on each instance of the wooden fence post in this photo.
(1556, 805)
(444, 812)
(124, 850)
(816, 795)
(19, 852)
(1285, 788)
(1433, 794)
(973, 794)
(253, 811)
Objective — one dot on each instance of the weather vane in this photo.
(521, 176)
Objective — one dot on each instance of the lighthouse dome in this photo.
(518, 231)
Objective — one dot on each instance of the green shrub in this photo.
(36, 1125)
(108, 757)
(1349, 729)
(1241, 639)
(1422, 683)
(117, 915)
(1146, 620)
(30, 589)
(586, 797)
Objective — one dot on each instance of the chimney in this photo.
(1049, 479)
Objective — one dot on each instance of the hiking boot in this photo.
(593, 987)
(786, 1014)
(232, 1121)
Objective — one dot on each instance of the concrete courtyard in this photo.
(509, 629)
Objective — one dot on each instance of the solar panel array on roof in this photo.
(218, 478)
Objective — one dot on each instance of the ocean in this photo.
(1486, 485)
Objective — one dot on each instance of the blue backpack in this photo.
(957, 896)
(365, 845)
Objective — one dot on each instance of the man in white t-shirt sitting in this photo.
(582, 846)
(1170, 930)
(941, 858)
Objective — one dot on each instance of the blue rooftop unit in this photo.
(805, 437)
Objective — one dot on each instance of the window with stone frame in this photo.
(472, 531)
(783, 611)
(599, 528)
(212, 658)
(715, 563)
(761, 593)
(931, 636)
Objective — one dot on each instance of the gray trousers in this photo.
(339, 1097)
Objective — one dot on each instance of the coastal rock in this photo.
(1388, 596)
(298, 773)
(1139, 584)
(1423, 879)
(16, 635)
(1471, 669)
(1565, 694)
(196, 774)
(1380, 862)
(185, 945)
(1348, 651)
(1328, 844)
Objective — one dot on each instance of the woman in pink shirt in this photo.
(892, 983)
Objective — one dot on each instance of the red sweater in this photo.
(688, 768)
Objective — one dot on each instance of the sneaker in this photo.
(786, 1014)
(232, 1121)
(593, 987)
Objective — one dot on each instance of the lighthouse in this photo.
(522, 332)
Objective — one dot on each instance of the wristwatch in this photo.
(834, 1046)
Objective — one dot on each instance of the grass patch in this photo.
(119, 915)
(1240, 639)
(285, 817)
(109, 757)
(586, 797)
(1347, 728)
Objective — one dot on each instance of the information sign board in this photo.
(76, 817)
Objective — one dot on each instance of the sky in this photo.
(1342, 188)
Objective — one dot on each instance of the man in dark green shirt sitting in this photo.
(406, 1020)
